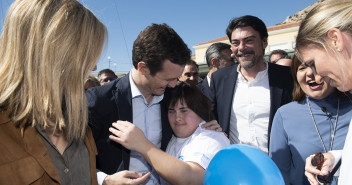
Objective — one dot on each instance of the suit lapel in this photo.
(123, 100)
(230, 82)
(275, 94)
(205, 83)
(206, 88)
(228, 92)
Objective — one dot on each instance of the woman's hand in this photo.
(312, 172)
(128, 135)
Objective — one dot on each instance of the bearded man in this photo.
(246, 96)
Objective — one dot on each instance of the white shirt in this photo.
(208, 78)
(250, 112)
(148, 119)
(200, 147)
(345, 177)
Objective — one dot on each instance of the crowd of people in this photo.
(161, 123)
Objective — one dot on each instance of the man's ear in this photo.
(143, 68)
(265, 42)
(334, 38)
(214, 62)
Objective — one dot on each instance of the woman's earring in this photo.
(338, 49)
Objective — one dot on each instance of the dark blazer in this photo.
(223, 84)
(107, 104)
(204, 87)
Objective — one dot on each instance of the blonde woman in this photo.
(44, 137)
(324, 44)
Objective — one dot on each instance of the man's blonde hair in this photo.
(47, 49)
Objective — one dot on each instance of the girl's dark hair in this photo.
(194, 99)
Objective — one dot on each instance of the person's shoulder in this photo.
(279, 69)
(277, 66)
(98, 92)
(291, 109)
(200, 83)
(280, 76)
(291, 106)
(224, 71)
(211, 137)
(103, 96)
(107, 89)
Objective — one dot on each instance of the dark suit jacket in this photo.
(204, 87)
(107, 104)
(223, 84)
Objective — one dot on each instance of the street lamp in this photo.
(109, 58)
(115, 67)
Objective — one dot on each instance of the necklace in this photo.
(316, 127)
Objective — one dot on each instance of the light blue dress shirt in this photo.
(146, 117)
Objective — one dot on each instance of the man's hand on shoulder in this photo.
(212, 125)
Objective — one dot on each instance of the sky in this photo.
(196, 21)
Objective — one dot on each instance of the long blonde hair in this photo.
(47, 49)
(325, 16)
(322, 18)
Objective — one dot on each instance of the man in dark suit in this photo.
(159, 56)
(218, 56)
(246, 96)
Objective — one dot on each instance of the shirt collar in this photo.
(137, 93)
(260, 74)
(134, 89)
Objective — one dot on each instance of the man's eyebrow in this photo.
(249, 37)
